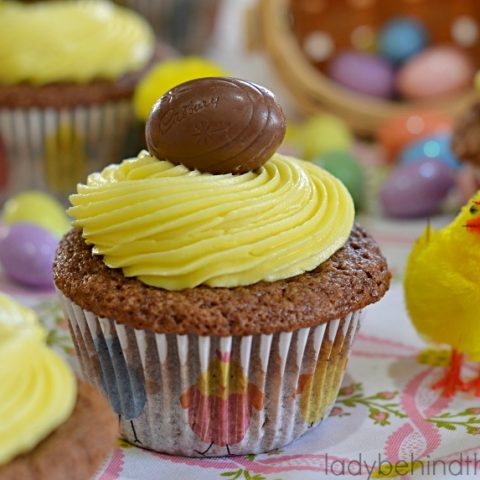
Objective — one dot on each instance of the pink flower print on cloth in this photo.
(220, 403)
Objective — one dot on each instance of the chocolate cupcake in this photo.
(52, 427)
(214, 287)
(68, 74)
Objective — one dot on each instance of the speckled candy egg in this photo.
(26, 254)
(436, 147)
(401, 38)
(400, 130)
(416, 189)
(362, 73)
(435, 72)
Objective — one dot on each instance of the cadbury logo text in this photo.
(175, 116)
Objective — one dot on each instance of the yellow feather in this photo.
(442, 283)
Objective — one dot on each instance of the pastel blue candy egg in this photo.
(27, 252)
(436, 147)
(401, 38)
(416, 189)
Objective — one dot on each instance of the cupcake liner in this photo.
(54, 149)
(184, 24)
(213, 396)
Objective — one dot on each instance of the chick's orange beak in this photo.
(473, 225)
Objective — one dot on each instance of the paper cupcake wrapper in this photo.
(54, 149)
(192, 395)
(184, 24)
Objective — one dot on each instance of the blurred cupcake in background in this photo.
(53, 425)
(68, 74)
(184, 24)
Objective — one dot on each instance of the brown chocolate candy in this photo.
(216, 125)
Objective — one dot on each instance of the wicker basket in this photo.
(281, 27)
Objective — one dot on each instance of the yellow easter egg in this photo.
(37, 208)
(323, 133)
(167, 75)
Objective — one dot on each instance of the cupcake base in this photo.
(53, 149)
(208, 395)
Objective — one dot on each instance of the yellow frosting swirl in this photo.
(75, 41)
(175, 228)
(37, 389)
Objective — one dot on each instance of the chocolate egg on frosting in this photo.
(216, 125)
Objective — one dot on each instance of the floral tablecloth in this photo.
(387, 421)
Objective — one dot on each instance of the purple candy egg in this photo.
(416, 189)
(27, 252)
(363, 73)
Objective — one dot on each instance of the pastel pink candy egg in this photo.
(435, 72)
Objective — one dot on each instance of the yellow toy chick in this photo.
(442, 292)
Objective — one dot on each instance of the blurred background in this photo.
(380, 93)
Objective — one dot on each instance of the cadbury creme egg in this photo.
(216, 125)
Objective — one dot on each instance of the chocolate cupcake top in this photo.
(353, 277)
(176, 228)
(216, 206)
(77, 42)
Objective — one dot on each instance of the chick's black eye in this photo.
(473, 209)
